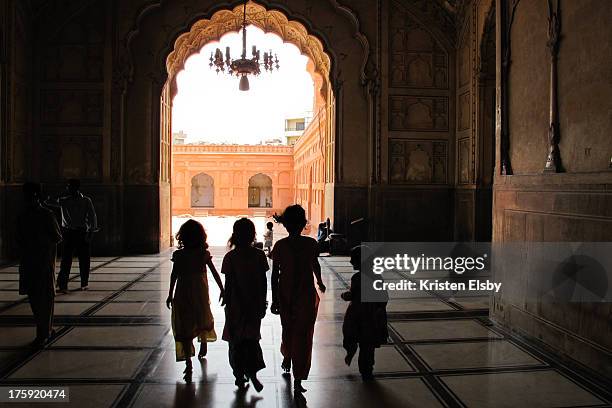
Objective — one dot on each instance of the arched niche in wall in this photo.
(202, 191)
(260, 191)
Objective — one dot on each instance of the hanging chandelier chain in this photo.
(244, 31)
(243, 66)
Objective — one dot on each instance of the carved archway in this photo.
(225, 21)
(142, 76)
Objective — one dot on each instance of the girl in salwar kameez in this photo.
(190, 304)
(294, 296)
(245, 269)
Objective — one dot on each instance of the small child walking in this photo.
(269, 237)
(244, 267)
(365, 323)
(190, 303)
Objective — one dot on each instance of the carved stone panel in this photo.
(75, 62)
(72, 107)
(418, 161)
(17, 161)
(464, 111)
(418, 113)
(71, 157)
(76, 51)
(464, 160)
(417, 60)
(463, 64)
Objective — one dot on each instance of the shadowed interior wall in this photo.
(571, 206)
(16, 90)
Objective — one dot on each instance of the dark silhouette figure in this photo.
(79, 222)
(38, 235)
(365, 323)
(269, 237)
(323, 236)
(244, 267)
(294, 296)
(190, 304)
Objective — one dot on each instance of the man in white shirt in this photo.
(79, 222)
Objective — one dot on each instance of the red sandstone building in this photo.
(218, 179)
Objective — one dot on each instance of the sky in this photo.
(209, 107)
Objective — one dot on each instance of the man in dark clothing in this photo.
(38, 235)
(79, 222)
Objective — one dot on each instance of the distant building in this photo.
(295, 126)
(178, 138)
(272, 142)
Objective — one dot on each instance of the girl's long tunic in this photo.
(245, 305)
(298, 299)
(191, 315)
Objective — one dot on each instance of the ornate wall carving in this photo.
(71, 157)
(464, 72)
(419, 69)
(418, 113)
(464, 111)
(68, 107)
(418, 161)
(463, 161)
(71, 92)
(17, 93)
(417, 60)
(434, 14)
(465, 99)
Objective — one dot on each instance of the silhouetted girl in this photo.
(365, 323)
(191, 315)
(245, 269)
(269, 237)
(295, 260)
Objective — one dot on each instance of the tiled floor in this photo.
(114, 348)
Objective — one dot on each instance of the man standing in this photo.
(79, 222)
(38, 235)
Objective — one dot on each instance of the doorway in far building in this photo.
(260, 191)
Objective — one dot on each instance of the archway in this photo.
(202, 191)
(260, 191)
(332, 40)
(314, 143)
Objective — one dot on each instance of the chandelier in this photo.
(243, 66)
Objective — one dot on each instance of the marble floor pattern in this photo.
(114, 348)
